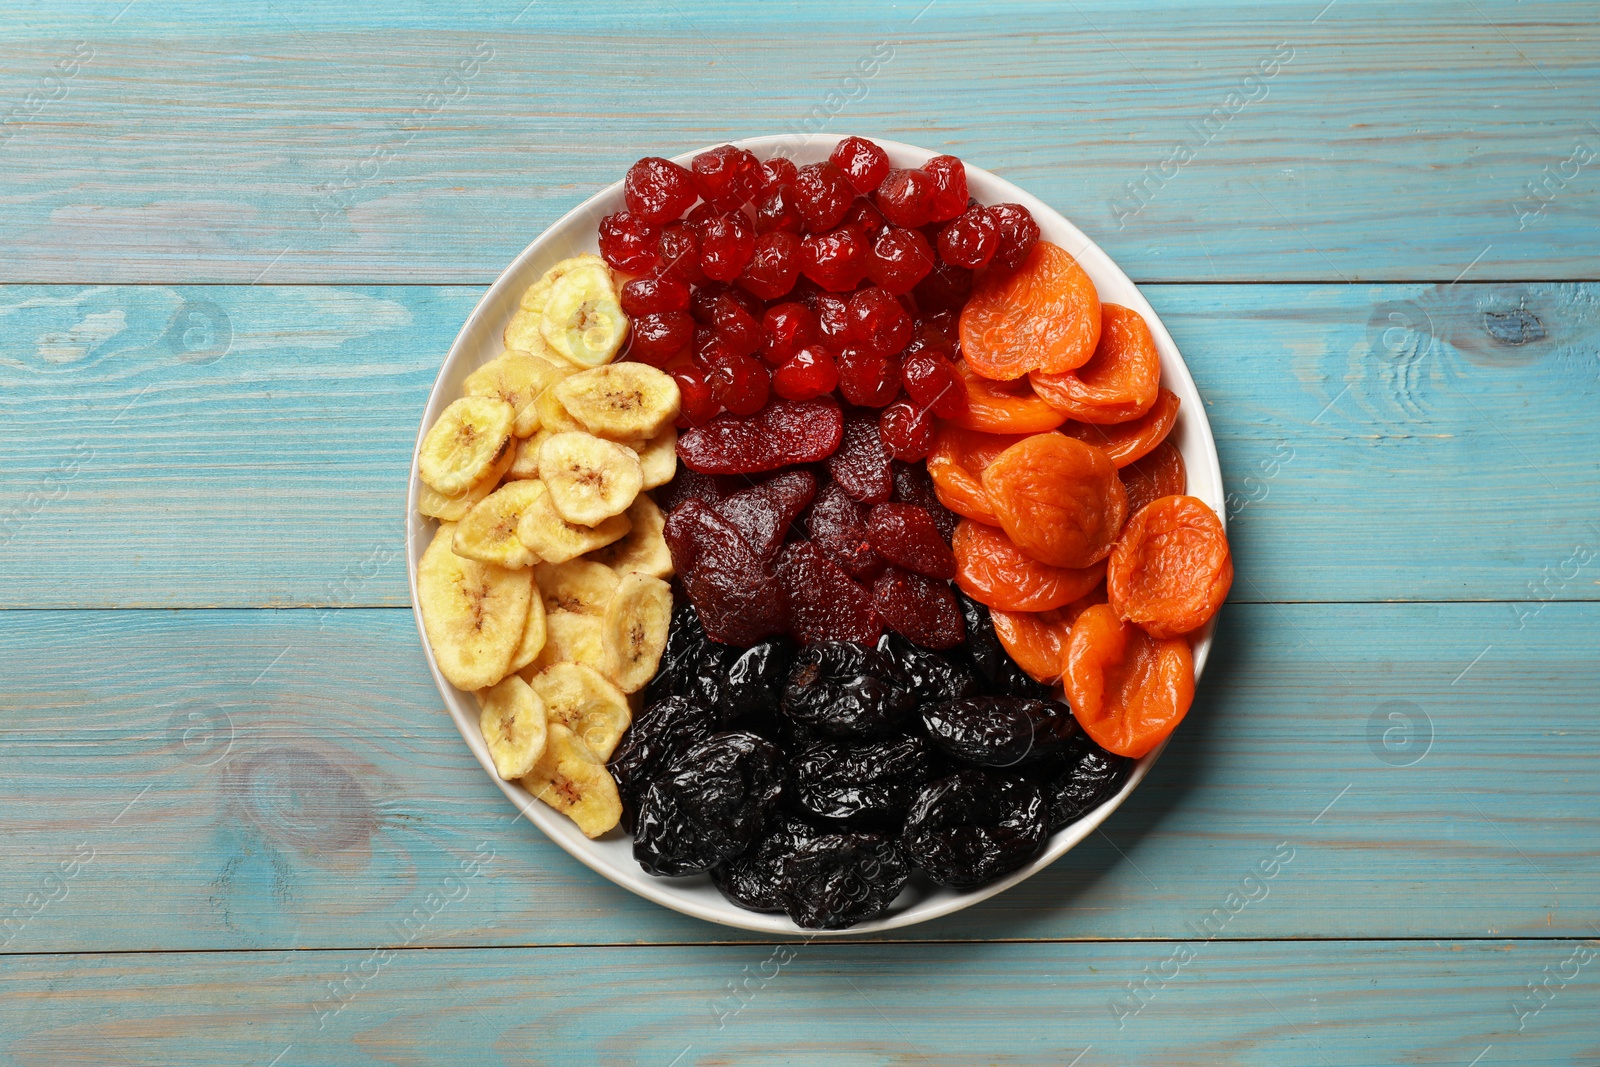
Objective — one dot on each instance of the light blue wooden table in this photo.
(238, 825)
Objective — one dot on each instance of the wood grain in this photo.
(286, 779)
(306, 145)
(249, 446)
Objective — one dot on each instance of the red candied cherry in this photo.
(726, 244)
(941, 328)
(907, 430)
(658, 190)
(735, 326)
(703, 302)
(787, 328)
(646, 296)
(906, 198)
(659, 335)
(836, 260)
(864, 216)
(1018, 232)
(932, 383)
(810, 372)
(741, 384)
(946, 288)
(949, 187)
(703, 213)
(867, 379)
(776, 210)
(773, 267)
(971, 238)
(699, 405)
(726, 176)
(628, 242)
(877, 322)
(833, 317)
(823, 195)
(900, 258)
(679, 253)
(863, 162)
(778, 171)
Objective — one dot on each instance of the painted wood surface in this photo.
(303, 142)
(291, 780)
(248, 446)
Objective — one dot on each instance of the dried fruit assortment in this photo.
(907, 474)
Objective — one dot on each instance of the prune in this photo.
(824, 604)
(913, 486)
(859, 786)
(754, 880)
(906, 534)
(1083, 777)
(764, 513)
(999, 672)
(738, 602)
(692, 665)
(784, 432)
(847, 690)
(838, 526)
(996, 731)
(932, 678)
(755, 681)
(920, 607)
(708, 805)
(838, 880)
(860, 466)
(652, 741)
(974, 826)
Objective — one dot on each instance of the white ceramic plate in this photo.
(479, 342)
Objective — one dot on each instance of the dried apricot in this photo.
(1119, 382)
(1161, 473)
(1171, 570)
(957, 462)
(1129, 441)
(1128, 690)
(1059, 499)
(1043, 316)
(1070, 613)
(992, 570)
(1004, 407)
(1035, 640)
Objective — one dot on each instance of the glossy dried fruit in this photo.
(786, 329)
(907, 430)
(946, 288)
(949, 197)
(991, 569)
(1160, 473)
(737, 601)
(861, 786)
(657, 337)
(877, 322)
(899, 259)
(727, 243)
(922, 608)
(628, 242)
(755, 680)
(727, 176)
(932, 677)
(836, 260)
(754, 880)
(783, 433)
(1119, 382)
(658, 190)
(860, 465)
(971, 238)
(974, 826)
(811, 372)
(1127, 442)
(1018, 234)
(906, 198)
(1003, 407)
(1000, 673)
(692, 665)
(823, 194)
(764, 513)
(847, 690)
(905, 534)
(1084, 777)
(678, 253)
(666, 728)
(649, 296)
(1128, 690)
(838, 880)
(999, 731)
(709, 805)
(697, 404)
(1035, 640)
(932, 383)
(956, 465)
(687, 484)
(913, 486)
(774, 265)
(838, 526)
(741, 384)
(824, 603)
(861, 161)
(777, 210)
(1172, 568)
(867, 378)
(1058, 499)
(1044, 316)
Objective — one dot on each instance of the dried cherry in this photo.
(774, 265)
(658, 190)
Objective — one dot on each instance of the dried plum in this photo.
(692, 665)
(710, 803)
(859, 786)
(739, 603)
(973, 826)
(838, 880)
(999, 672)
(1084, 777)
(847, 690)
(999, 731)
(919, 607)
(657, 736)
(754, 684)
(763, 513)
(824, 604)
(754, 879)
(931, 677)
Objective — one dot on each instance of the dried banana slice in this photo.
(590, 479)
(582, 319)
(522, 333)
(525, 464)
(473, 613)
(488, 534)
(435, 505)
(569, 638)
(518, 378)
(556, 540)
(535, 296)
(635, 631)
(580, 699)
(621, 401)
(581, 586)
(658, 457)
(644, 550)
(513, 725)
(469, 438)
(533, 635)
(574, 781)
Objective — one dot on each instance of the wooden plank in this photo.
(1247, 141)
(1339, 1003)
(287, 779)
(261, 435)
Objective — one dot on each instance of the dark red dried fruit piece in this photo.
(877, 322)
(866, 378)
(699, 404)
(741, 384)
(836, 260)
(773, 266)
(658, 337)
(971, 238)
(900, 258)
(810, 372)
(907, 430)
(838, 526)
(679, 253)
(628, 242)
(786, 329)
(735, 326)
(776, 210)
(864, 216)
(738, 602)
(863, 162)
(823, 194)
(777, 171)
(906, 198)
(658, 190)
(824, 603)
(783, 433)
(949, 197)
(933, 384)
(726, 176)
(946, 288)
(920, 608)
(685, 486)
(833, 317)
(913, 486)
(650, 296)
(726, 245)
(1018, 233)
(905, 534)
(764, 514)
(861, 465)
